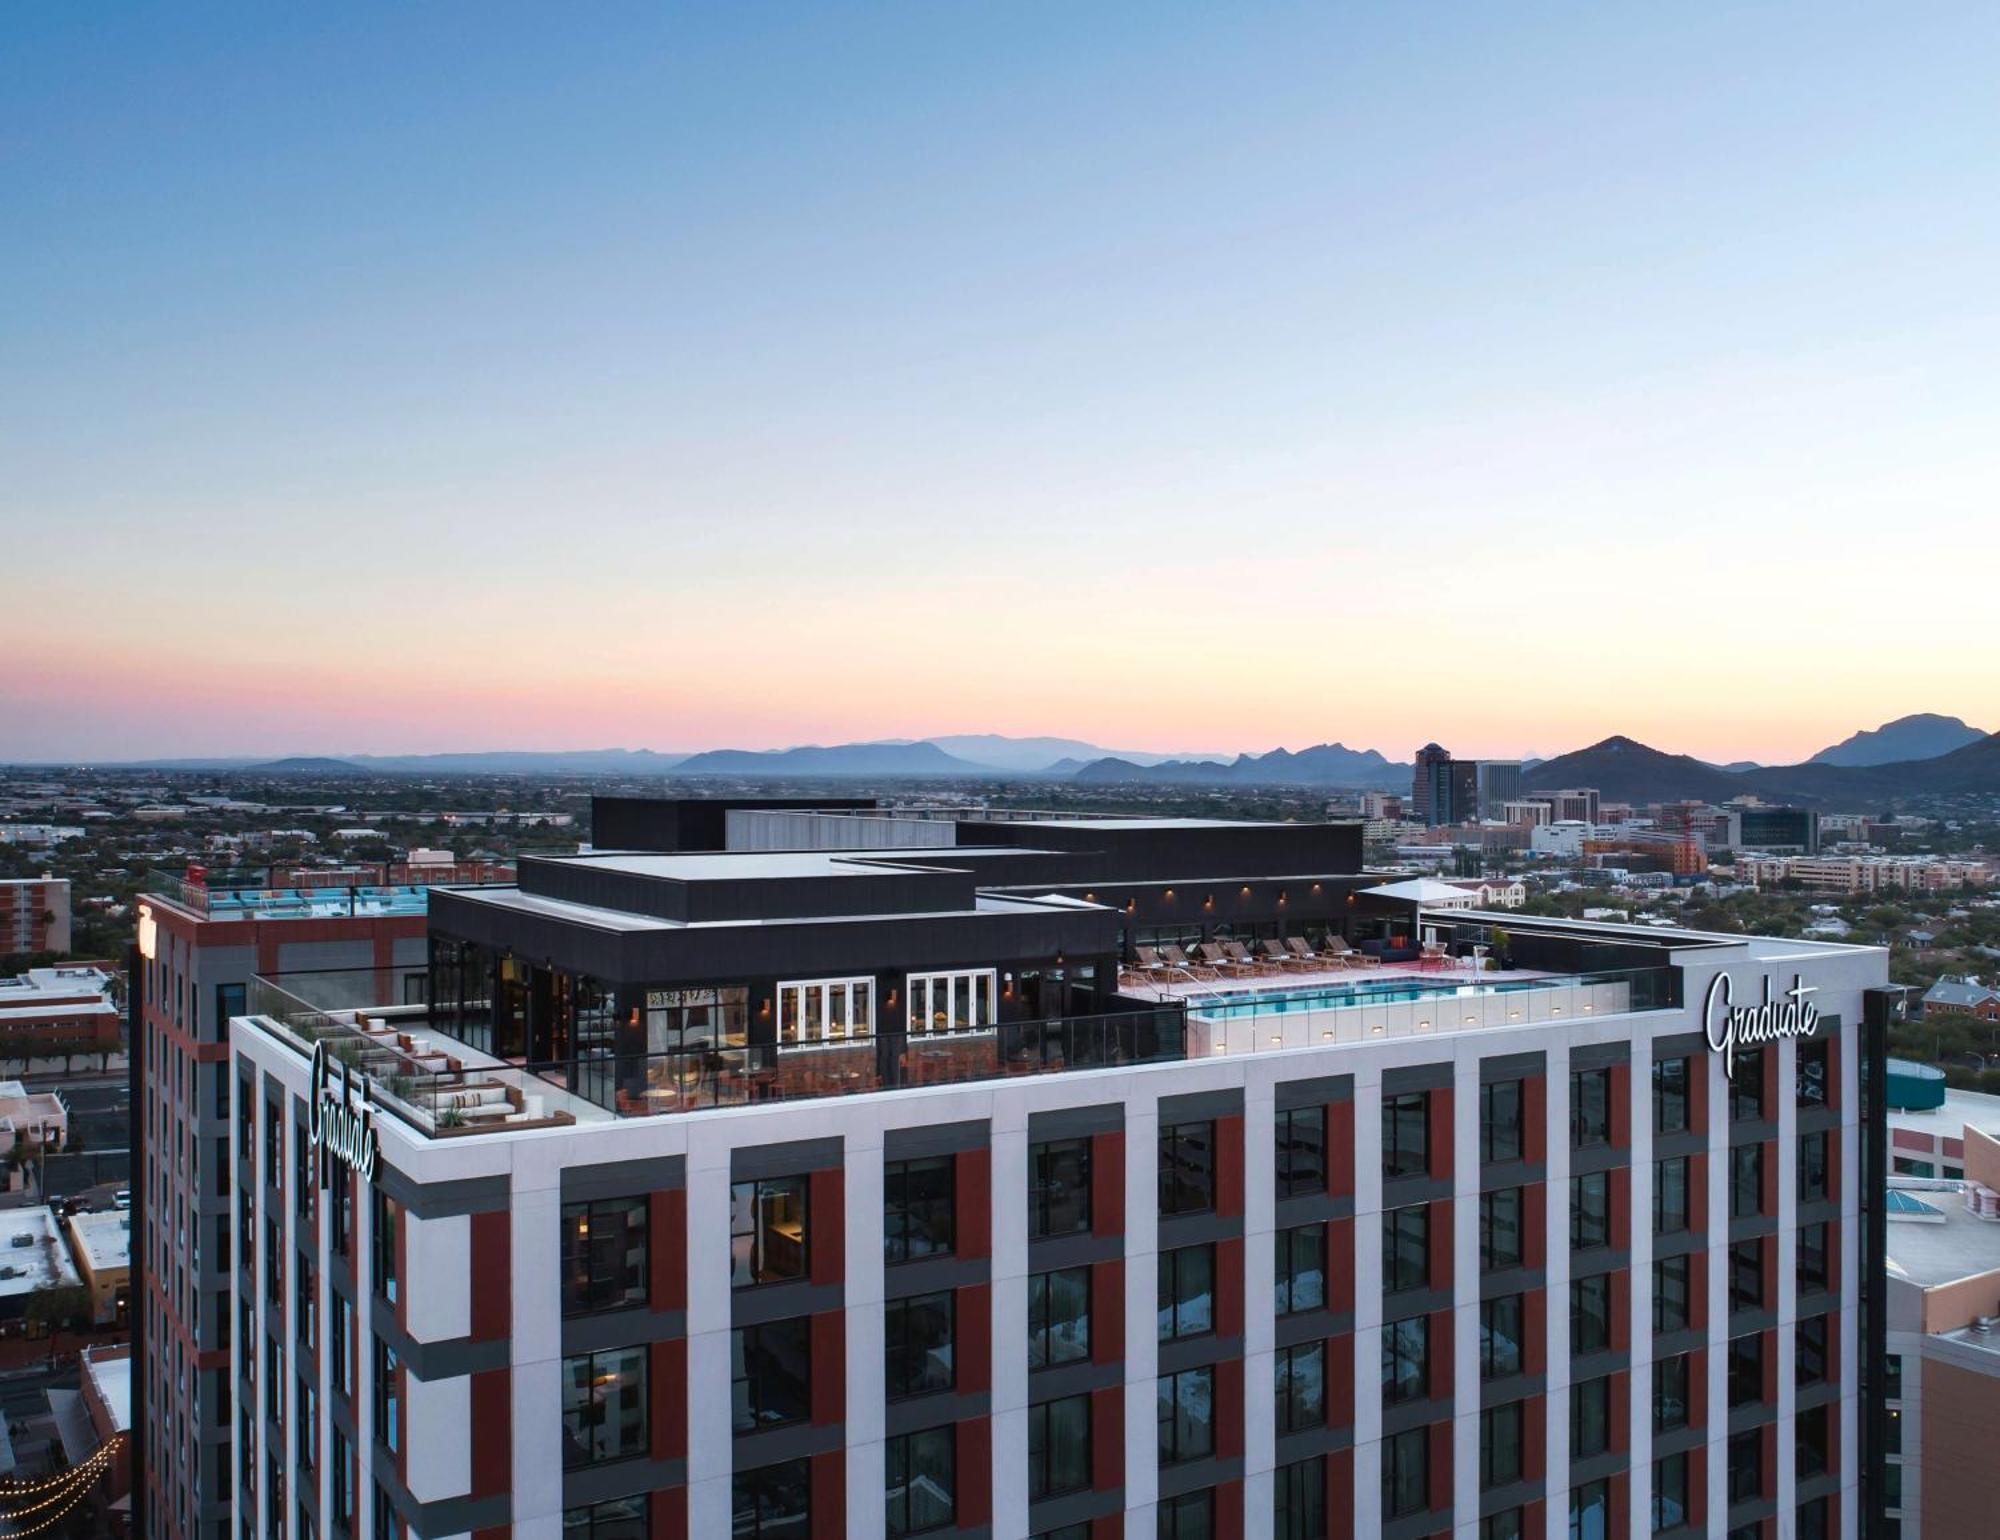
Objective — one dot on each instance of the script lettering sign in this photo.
(336, 1126)
(1730, 1026)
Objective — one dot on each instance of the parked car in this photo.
(122, 1198)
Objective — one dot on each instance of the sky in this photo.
(393, 378)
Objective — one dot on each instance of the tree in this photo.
(58, 1305)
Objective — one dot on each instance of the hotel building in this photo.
(863, 1188)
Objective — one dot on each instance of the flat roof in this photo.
(1961, 1109)
(104, 1241)
(761, 865)
(32, 1255)
(1927, 1251)
(625, 920)
(113, 1379)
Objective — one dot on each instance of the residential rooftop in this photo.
(1934, 1239)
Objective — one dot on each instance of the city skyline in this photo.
(779, 375)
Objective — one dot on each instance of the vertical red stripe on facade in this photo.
(1107, 1438)
(667, 1214)
(1229, 1165)
(1340, 1380)
(975, 1473)
(1107, 1183)
(1621, 1207)
(829, 1495)
(1535, 1332)
(1697, 1469)
(1698, 1193)
(1440, 1355)
(492, 1432)
(1621, 1410)
(974, 1329)
(1340, 1265)
(670, 1514)
(1697, 1408)
(492, 1276)
(1229, 1510)
(1107, 1311)
(1229, 1287)
(1535, 1225)
(972, 1184)
(1534, 1441)
(1700, 1067)
(669, 1389)
(1439, 1214)
(827, 1217)
(1767, 1178)
(1439, 1472)
(828, 1335)
(1438, 1112)
(1621, 1106)
(1620, 1486)
(1340, 1149)
(1621, 1310)
(1229, 1408)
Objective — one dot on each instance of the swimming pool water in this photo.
(1323, 997)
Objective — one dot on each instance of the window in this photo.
(1810, 1441)
(622, 1518)
(1406, 1353)
(1813, 1175)
(1187, 1292)
(1590, 1211)
(918, 1480)
(340, 1344)
(1187, 1168)
(1499, 1446)
(1746, 1369)
(1670, 1195)
(604, 1406)
(1746, 1275)
(1058, 1317)
(773, 1502)
(342, 1483)
(1670, 1295)
(1746, 1466)
(1589, 1108)
(1809, 1360)
(1810, 1071)
(1670, 1492)
(1589, 1417)
(305, 1408)
(1590, 1314)
(767, 1231)
(1500, 1324)
(1058, 1188)
(917, 1208)
(1670, 1393)
(1298, 1500)
(1301, 1151)
(1301, 1269)
(1814, 1523)
(382, 1245)
(604, 1255)
(1406, 1134)
(1500, 1229)
(1671, 1079)
(825, 1011)
(1500, 1120)
(1406, 1248)
(1590, 1511)
(1301, 1387)
(1186, 1414)
(1191, 1516)
(770, 1374)
(1406, 1473)
(917, 1338)
(388, 1396)
(1506, 1525)
(952, 1002)
(1746, 1087)
(1746, 1181)
(1058, 1447)
(1892, 1376)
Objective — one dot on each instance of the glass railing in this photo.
(318, 901)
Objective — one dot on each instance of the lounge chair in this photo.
(1280, 954)
(1239, 954)
(1344, 956)
(1433, 955)
(1179, 962)
(1212, 954)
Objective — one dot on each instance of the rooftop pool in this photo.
(1222, 1005)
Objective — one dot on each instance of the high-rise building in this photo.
(1425, 784)
(34, 914)
(1499, 784)
(990, 1230)
(201, 944)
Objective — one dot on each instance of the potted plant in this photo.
(1497, 943)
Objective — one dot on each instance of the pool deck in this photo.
(1225, 991)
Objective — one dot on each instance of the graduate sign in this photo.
(336, 1126)
(1730, 1026)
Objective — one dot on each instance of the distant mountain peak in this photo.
(1923, 735)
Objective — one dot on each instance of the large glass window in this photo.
(767, 1230)
(382, 1232)
(692, 1020)
(1589, 1418)
(621, 1518)
(1670, 1492)
(1406, 1134)
(1500, 1446)
(1406, 1248)
(918, 1480)
(1671, 1080)
(1590, 1511)
(1670, 1295)
(1508, 1524)
(770, 1374)
(1298, 1500)
(1058, 1188)
(604, 1255)
(1810, 1361)
(1670, 1393)
(1812, 1261)
(773, 1502)
(1670, 1195)
(1501, 1322)
(1589, 1108)
(1187, 1168)
(917, 1341)
(1301, 1269)
(917, 1208)
(1187, 1415)
(1058, 1447)
(1187, 1292)
(1746, 1087)
(1406, 1353)
(1500, 1120)
(1746, 1369)
(1590, 1211)
(1191, 1516)
(1406, 1468)
(1746, 1465)
(1811, 1441)
(604, 1406)
(388, 1395)
(1746, 1275)
(1810, 1071)
(1746, 1181)
(1301, 1151)
(825, 1011)
(952, 1002)
(1813, 1168)
(1058, 1317)
(1500, 1229)
(1301, 1387)
(1590, 1314)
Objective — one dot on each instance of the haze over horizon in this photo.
(462, 377)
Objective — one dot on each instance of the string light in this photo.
(12, 1489)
